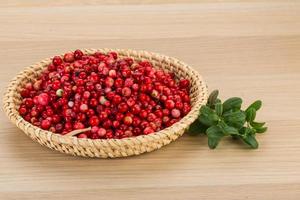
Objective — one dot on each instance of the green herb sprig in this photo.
(218, 120)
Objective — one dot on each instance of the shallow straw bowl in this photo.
(108, 148)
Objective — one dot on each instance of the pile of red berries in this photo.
(116, 97)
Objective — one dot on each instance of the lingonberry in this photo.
(43, 99)
(69, 57)
(78, 125)
(101, 132)
(126, 91)
(57, 60)
(107, 124)
(169, 104)
(123, 107)
(127, 120)
(179, 105)
(184, 83)
(82, 135)
(78, 54)
(45, 124)
(143, 114)
(115, 124)
(135, 109)
(148, 130)
(22, 111)
(175, 113)
(83, 107)
(93, 102)
(94, 121)
(117, 97)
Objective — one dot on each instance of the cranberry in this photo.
(122, 107)
(57, 60)
(109, 82)
(29, 103)
(169, 104)
(127, 120)
(43, 99)
(78, 54)
(179, 105)
(101, 132)
(136, 109)
(82, 135)
(84, 108)
(45, 124)
(117, 97)
(184, 83)
(143, 114)
(94, 121)
(175, 113)
(69, 57)
(22, 111)
(126, 91)
(78, 125)
(148, 130)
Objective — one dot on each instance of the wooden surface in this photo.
(245, 48)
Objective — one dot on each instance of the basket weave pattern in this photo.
(108, 148)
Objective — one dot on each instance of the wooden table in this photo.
(245, 48)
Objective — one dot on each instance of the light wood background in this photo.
(245, 48)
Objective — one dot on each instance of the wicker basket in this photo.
(108, 148)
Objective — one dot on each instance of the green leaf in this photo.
(208, 116)
(229, 130)
(236, 119)
(247, 131)
(214, 134)
(257, 124)
(232, 103)
(251, 141)
(261, 129)
(250, 114)
(196, 128)
(256, 105)
(212, 97)
(219, 108)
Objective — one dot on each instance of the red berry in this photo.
(43, 99)
(136, 109)
(83, 107)
(94, 121)
(57, 60)
(148, 130)
(127, 120)
(117, 99)
(143, 114)
(122, 107)
(78, 125)
(69, 57)
(175, 113)
(169, 104)
(22, 111)
(184, 83)
(101, 132)
(109, 82)
(126, 91)
(78, 54)
(82, 135)
(45, 124)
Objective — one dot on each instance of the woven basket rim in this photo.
(12, 112)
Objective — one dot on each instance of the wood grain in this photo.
(244, 48)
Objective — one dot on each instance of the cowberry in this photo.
(117, 97)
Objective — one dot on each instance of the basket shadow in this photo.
(174, 155)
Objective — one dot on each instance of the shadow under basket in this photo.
(108, 148)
